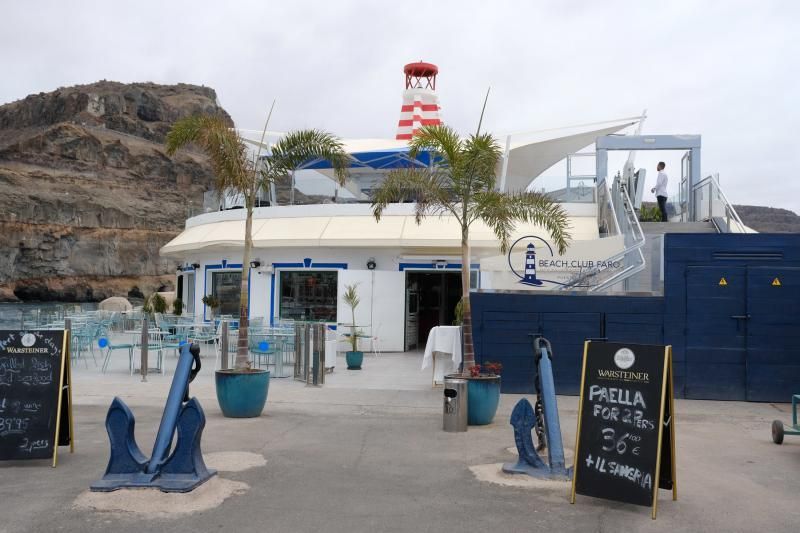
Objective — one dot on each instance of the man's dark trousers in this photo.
(662, 206)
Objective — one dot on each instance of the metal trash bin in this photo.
(455, 404)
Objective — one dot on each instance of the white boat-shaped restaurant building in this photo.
(407, 274)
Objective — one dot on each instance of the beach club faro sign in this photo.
(541, 260)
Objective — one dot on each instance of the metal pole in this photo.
(318, 375)
(223, 341)
(145, 341)
(68, 329)
(306, 352)
(504, 172)
(298, 351)
(291, 193)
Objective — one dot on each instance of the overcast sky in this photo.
(727, 70)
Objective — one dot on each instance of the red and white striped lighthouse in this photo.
(420, 102)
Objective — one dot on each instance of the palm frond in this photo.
(538, 209)
(223, 146)
(442, 141)
(494, 209)
(302, 146)
(424, 188)
(482, 155)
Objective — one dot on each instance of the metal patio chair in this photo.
(110, 346)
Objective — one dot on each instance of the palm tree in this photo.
(235, 171)
(461, 182)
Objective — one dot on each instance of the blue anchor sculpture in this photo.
(180, 471)
(525, 420)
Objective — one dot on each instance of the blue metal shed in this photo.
(730, 309)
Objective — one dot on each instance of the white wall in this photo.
(382, 291)
(362, 279)
(389, 309)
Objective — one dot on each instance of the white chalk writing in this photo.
(613, 468)
(615, 395)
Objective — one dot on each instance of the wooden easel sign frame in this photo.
(35, 395)
(625, 442)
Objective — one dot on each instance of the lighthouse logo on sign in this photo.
(527, 276)
(530, 267)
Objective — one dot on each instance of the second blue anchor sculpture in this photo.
(524, 420)
(180, 471)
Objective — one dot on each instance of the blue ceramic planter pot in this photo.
(354, 360)
(242, 394)
(483, 397)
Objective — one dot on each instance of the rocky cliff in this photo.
(88, 193)
(769, 219)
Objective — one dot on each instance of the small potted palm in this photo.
(354, 357)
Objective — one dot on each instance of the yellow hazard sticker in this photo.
(776, 282)
(722, 282)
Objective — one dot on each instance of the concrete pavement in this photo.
(366, 453)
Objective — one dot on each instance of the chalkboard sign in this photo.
(35, 395)
(625, 445)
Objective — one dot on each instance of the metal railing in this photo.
(711, 204)
(623, 264)
(309, 355)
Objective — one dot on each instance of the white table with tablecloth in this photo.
(443, 351)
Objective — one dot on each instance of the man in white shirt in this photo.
(661, 190)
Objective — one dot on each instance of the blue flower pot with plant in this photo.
(483, 393)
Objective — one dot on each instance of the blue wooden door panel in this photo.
(773, 333)
(635, 328)
(567, 333)
(772, 383)
(714, 381)
(715, 352)
(505, 338)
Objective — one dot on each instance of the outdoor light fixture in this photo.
(195, 265)
(180, 269)
(439, 263)
(371, 264)
(255, 264)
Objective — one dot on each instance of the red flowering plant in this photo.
(489, 369)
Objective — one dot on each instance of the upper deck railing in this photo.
(616, 212)
(711, 204)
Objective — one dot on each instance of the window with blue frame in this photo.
(227, 287)
(308, 295)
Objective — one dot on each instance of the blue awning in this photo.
(387, 159)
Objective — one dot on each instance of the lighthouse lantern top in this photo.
(421, 75)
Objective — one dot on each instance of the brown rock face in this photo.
(89, 194)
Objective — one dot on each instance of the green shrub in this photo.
(177, 307)
(211, 301)
(459, 318)
(158, 303)
(649, 214)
